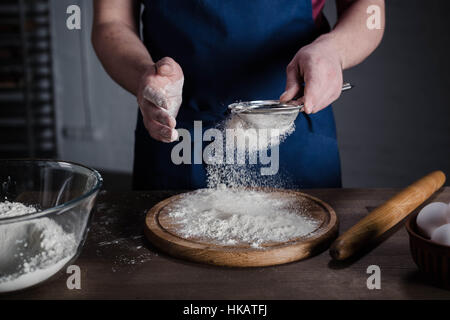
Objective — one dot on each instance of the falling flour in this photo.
(228, 216)
(262, 134)
(31, 251)
(250, 143)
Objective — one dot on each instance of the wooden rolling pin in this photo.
(386, 216)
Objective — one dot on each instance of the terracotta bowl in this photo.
(433, 259)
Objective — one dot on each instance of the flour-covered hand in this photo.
(159, 98)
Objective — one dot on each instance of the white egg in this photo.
(442, 235)
(432, 217)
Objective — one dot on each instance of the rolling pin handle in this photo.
(386, 216)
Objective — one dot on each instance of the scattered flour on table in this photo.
(118, 237)
(230, 216)
(31, 251)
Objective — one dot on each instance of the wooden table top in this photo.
(117, 262)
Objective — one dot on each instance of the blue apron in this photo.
(233, 50)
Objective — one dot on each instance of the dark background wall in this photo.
(393, 127)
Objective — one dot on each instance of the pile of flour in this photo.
(14, 209)
(229, 216)
(31, 251)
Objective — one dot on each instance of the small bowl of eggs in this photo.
(429, 239)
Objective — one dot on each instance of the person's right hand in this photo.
(159, 98)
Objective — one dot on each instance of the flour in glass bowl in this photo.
(13, 209)
(31, 251)
(229, 216)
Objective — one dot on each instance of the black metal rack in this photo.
(27, 114)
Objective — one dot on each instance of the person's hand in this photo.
(159, 98)
(319, 66)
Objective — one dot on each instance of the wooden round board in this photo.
(160, 229)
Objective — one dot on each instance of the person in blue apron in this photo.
(208, 54)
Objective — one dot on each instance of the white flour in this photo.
(13, 209)
(31, 251)
(229, 217)
(264, 136)
(252, 143)
(169, 97)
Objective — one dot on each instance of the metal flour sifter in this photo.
(270, 114)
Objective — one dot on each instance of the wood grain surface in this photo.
(117, 262)
(162, 231)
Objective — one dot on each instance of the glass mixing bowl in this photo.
(35, 246)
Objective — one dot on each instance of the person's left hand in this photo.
(319, 66)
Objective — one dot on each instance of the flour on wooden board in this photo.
(229, 216)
